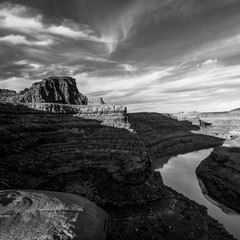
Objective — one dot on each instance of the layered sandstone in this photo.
(7, 95)
(220, 173)
(62, 90)
(165, 136)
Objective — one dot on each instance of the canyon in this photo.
(106, 155)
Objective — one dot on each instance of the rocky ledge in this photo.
(220, 173)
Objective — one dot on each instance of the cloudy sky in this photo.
(149, 55)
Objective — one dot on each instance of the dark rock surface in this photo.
(27, 215)
(61, 90)
(109, 166)
(220, 173)
(165, 136)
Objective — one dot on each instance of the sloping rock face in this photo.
(165, 136)
(7, 95)
(220, 173)
(109, 166)
(27, 215)
(61, 90)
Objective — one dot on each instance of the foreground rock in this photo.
(27, 215)
(61, 90)
(109, 166)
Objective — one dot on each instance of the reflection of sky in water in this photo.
(179, 173)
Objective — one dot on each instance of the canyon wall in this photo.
(107, 165)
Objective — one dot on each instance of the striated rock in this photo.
(61, 90)
(165, 136)
(193, 118)
(28, 214)
(220, 173)
(109, 115)
(7, 95)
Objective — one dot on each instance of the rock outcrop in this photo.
(62, 90)
(28, 214)
(109, 115)
(220, 173)
(100, 101)
(7, 95)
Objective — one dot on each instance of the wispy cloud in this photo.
(22, 40)
(19, 18)
(128, 67)
(149, 55)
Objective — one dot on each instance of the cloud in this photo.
(15, 83)
(223, 47)
(21, 40)
(36, 70)
(208, 63)
(18, 18)
(15, 17)
(128, 67)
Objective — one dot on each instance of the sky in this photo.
(148, 55)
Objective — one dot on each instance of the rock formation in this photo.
(220, 173)
(100, 101)
(28, 214)
(109, 115)
(62, 90)
(7, 95)
(107, 165)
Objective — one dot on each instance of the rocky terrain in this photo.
(108, 165)
(220, 173)
(223, 124)
(27, 215)
(50, 90)
(165, 136)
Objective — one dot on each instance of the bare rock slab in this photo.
(28, 215)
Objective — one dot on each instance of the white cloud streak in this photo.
(22, 40)
(16, 17)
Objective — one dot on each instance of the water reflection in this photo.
(179, 173)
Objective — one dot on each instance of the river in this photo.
(179, 173)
